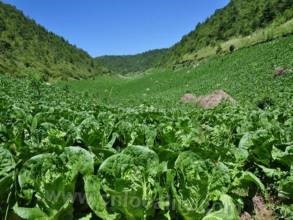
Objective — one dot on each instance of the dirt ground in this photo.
(209, 101)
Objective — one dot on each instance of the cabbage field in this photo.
(114, 148)
(63, 155)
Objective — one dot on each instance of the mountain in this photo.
(239, 18)
(27, 48)
(132, 63)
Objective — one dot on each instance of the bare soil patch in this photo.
(209, 101)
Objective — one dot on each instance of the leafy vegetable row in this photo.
(66, 159)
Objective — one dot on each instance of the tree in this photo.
(2, 25)
(231, 48)
(4, 46)
(268, 14)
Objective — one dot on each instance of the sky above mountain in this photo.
(119, 27)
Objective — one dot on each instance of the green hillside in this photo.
(125, 147)
(27, 48)
(67, 151)
(239, 18)
(225, 29)
(246, 74)
(133, 63)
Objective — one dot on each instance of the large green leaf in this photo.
(259, 145)
(7, 176)
(94, 198)
(7, 166)
(245, 181)
(283, 157)
(227, 212)
(65, 212)
(30, 213)
(196, 183)
(131, 178)
(50, 178)
(285, 188)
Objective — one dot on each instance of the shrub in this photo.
(231, 48)
(219, 50)
(265, 102)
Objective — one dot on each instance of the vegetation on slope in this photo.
(238, 18)
(246, 74)
(68, 155)
(133, 63)
(26, 48)
(228, 29)
(61, 158)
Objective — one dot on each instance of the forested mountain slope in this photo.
(132, 63)
(27, 48)
(238, 18)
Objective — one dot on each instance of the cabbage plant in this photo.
(127, 184)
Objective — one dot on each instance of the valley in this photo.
(114, 138)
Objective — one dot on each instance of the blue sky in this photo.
(115, 27)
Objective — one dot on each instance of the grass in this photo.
(246, 74)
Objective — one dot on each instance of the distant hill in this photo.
(27, 48)
(238, 18)
(132, 63)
